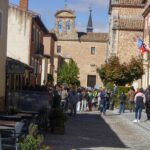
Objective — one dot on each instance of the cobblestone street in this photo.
(90, 131)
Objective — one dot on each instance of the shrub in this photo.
(29, 143)
(57, 121)
(33, 140)
(57, 117)
(109, 86)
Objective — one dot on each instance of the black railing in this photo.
(40, 50)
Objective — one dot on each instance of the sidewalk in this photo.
(92, 131)
(131, 116)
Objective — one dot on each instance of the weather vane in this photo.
(66, 3)
(90, 8)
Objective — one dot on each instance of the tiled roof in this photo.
(129, 24)
(93, 37)
(129, 2)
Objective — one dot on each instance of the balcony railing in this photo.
(39, 50)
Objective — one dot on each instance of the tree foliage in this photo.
(69, 73)
(114, 71)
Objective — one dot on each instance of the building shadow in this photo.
(85, 131)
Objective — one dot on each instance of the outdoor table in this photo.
(7, 123)
(29, 112)
(3, 127)
(10, 118)
(24, 115)
(10, 125)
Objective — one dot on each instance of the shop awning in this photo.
(16, 67)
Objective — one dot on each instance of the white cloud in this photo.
(100, 27)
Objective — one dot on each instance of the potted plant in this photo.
(57, 121)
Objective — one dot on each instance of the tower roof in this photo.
(127, 3)
(65, 13)
(90, 23)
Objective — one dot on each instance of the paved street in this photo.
(90, 131)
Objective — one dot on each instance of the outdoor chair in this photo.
(10, 137)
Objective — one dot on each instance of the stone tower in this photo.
(65, 24)
(125, 22)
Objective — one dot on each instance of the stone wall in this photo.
(3, 44)
(121, 42)
(146, 36)
(81, 54)
(127, 47)
(129, 12)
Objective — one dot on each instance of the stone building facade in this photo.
(87, 49)
(146, 38)
(125, 22)
(3, 48)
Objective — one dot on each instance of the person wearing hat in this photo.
(140, 101)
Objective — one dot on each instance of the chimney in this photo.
(24, 5)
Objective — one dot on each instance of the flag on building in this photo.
(142, 46)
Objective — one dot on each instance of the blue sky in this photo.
(47, 9)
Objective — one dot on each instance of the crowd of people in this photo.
(81, 99)
(74, 100)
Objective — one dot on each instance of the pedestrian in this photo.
(131, 95)
(122, 99)
(90, 97)
(95, 97)
(56, 99)
(112, 101)
(140, 101)
(64, 95)
(98, 99)
(147, 105)
(84, 100)
(115, 90)
(73, 99)
(79, 92)
(108, 93)
(103, 102)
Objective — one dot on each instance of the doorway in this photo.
(91, 81)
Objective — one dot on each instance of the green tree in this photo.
(69, 73)
(114, 71)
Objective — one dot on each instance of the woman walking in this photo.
(140, 101)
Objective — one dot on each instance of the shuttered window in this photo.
(58, 49)
(93, 50)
